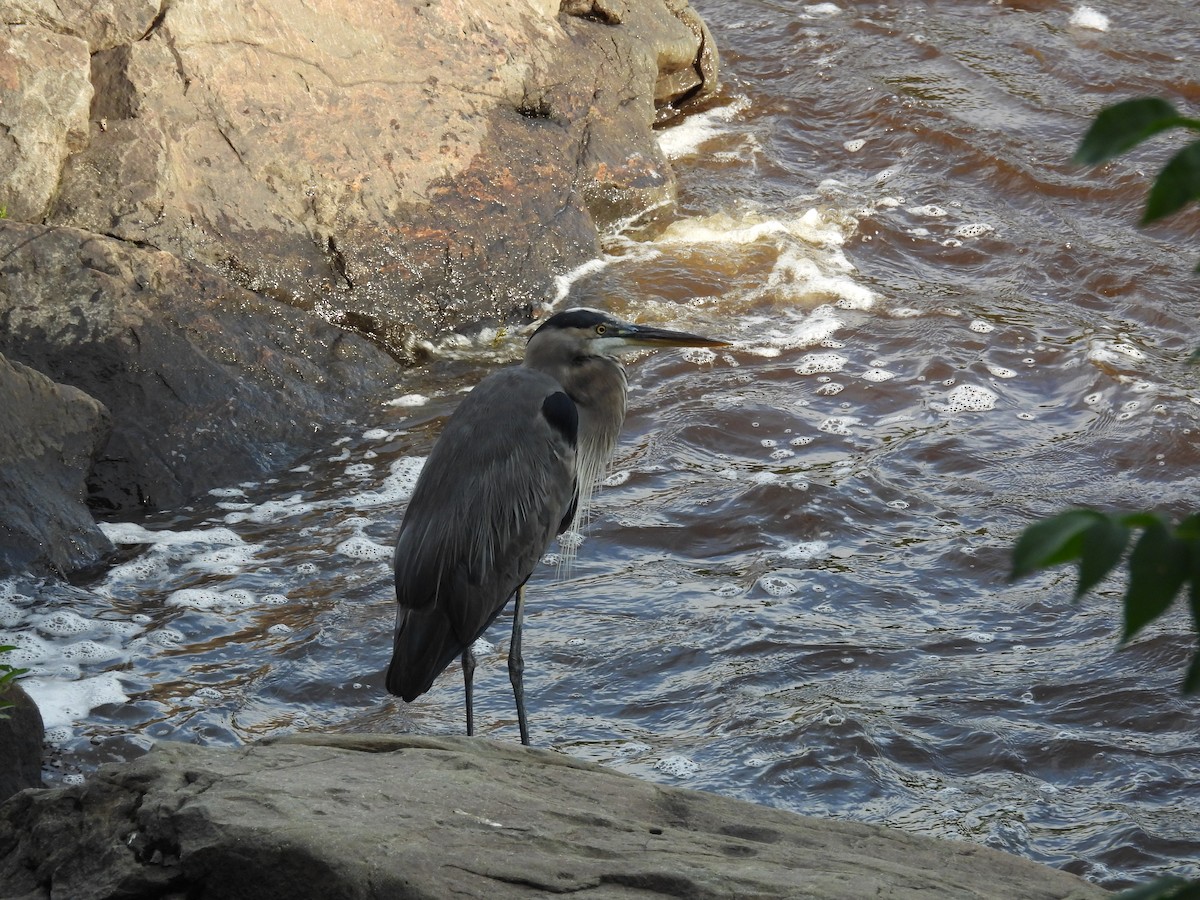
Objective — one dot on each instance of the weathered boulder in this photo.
(206, 383)
(21, 735)
(50, 435)
(404, 168)
(363, 816)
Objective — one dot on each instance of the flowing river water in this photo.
(793, 589)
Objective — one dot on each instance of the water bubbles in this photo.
(805, 550)
(777, 586)
(928, 210)
(376, 434)
(878, 375)
(840, 425)
(279, 628)
(1001, 372)
(855, 145)
(362, 547)
(801, 441)
(967, 398)
(813, 363)
(973, 230)
(677, 766)
(63, 623)
(307, 568)
(980, 637)
(207, 693)
(699, 355)
(631, 749)
(830, 389)
(768, 442)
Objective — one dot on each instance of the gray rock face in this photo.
(206, 383)
(49, 437)
(363, 816)
(21, 734)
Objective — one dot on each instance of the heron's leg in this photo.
(516, 665)
(468, 667)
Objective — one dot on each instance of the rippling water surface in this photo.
(793, 590)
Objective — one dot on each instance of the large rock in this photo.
(398, 817)
(207, 383)
(21, 736)
(404, 168)
(51, 434)
(45, 94)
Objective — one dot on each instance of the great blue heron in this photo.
(514, 466)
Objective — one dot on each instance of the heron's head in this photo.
(583, 332)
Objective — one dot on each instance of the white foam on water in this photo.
(966, 398)
(63, 703)
(775, 334)
(1113, 352)
(131, 533)
(805, 550)
(777, 586)
(377, 434)
(362, 547)
(840, 425)
(701, 356)
(63, 623)
(1089, 18)
(686, 137)
(878, 375)
(1001, 372)
(209, 600)
(677, 766)
(982, 327)
(973, 230)
(408, 400)
(812, 363)
(930, 210)
(272, 510)
(855, 145)
(396, 487)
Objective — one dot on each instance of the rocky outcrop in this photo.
(21, 733)
(206, 383)
(50, 436)
(216, 192)
(362, 816)
(403, 168)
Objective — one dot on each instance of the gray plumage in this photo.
(515, 465)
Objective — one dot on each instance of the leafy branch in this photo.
(8, 674)
(1119, 128)
(1164, 561)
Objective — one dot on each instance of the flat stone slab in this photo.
(373, 816)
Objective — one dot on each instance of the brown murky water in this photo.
(794, 588)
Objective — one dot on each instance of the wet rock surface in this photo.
(365, 816)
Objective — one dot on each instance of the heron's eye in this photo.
(600, 329)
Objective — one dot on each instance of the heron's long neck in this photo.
(597, 384)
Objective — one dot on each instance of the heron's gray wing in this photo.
(497, 486)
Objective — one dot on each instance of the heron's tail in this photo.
(425, 644)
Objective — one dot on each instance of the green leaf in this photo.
(1124, 125)
(1158, 567)
(1052, 541)
(1103, 546)
(1177, 185)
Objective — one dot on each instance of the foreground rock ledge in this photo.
(406, 816)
